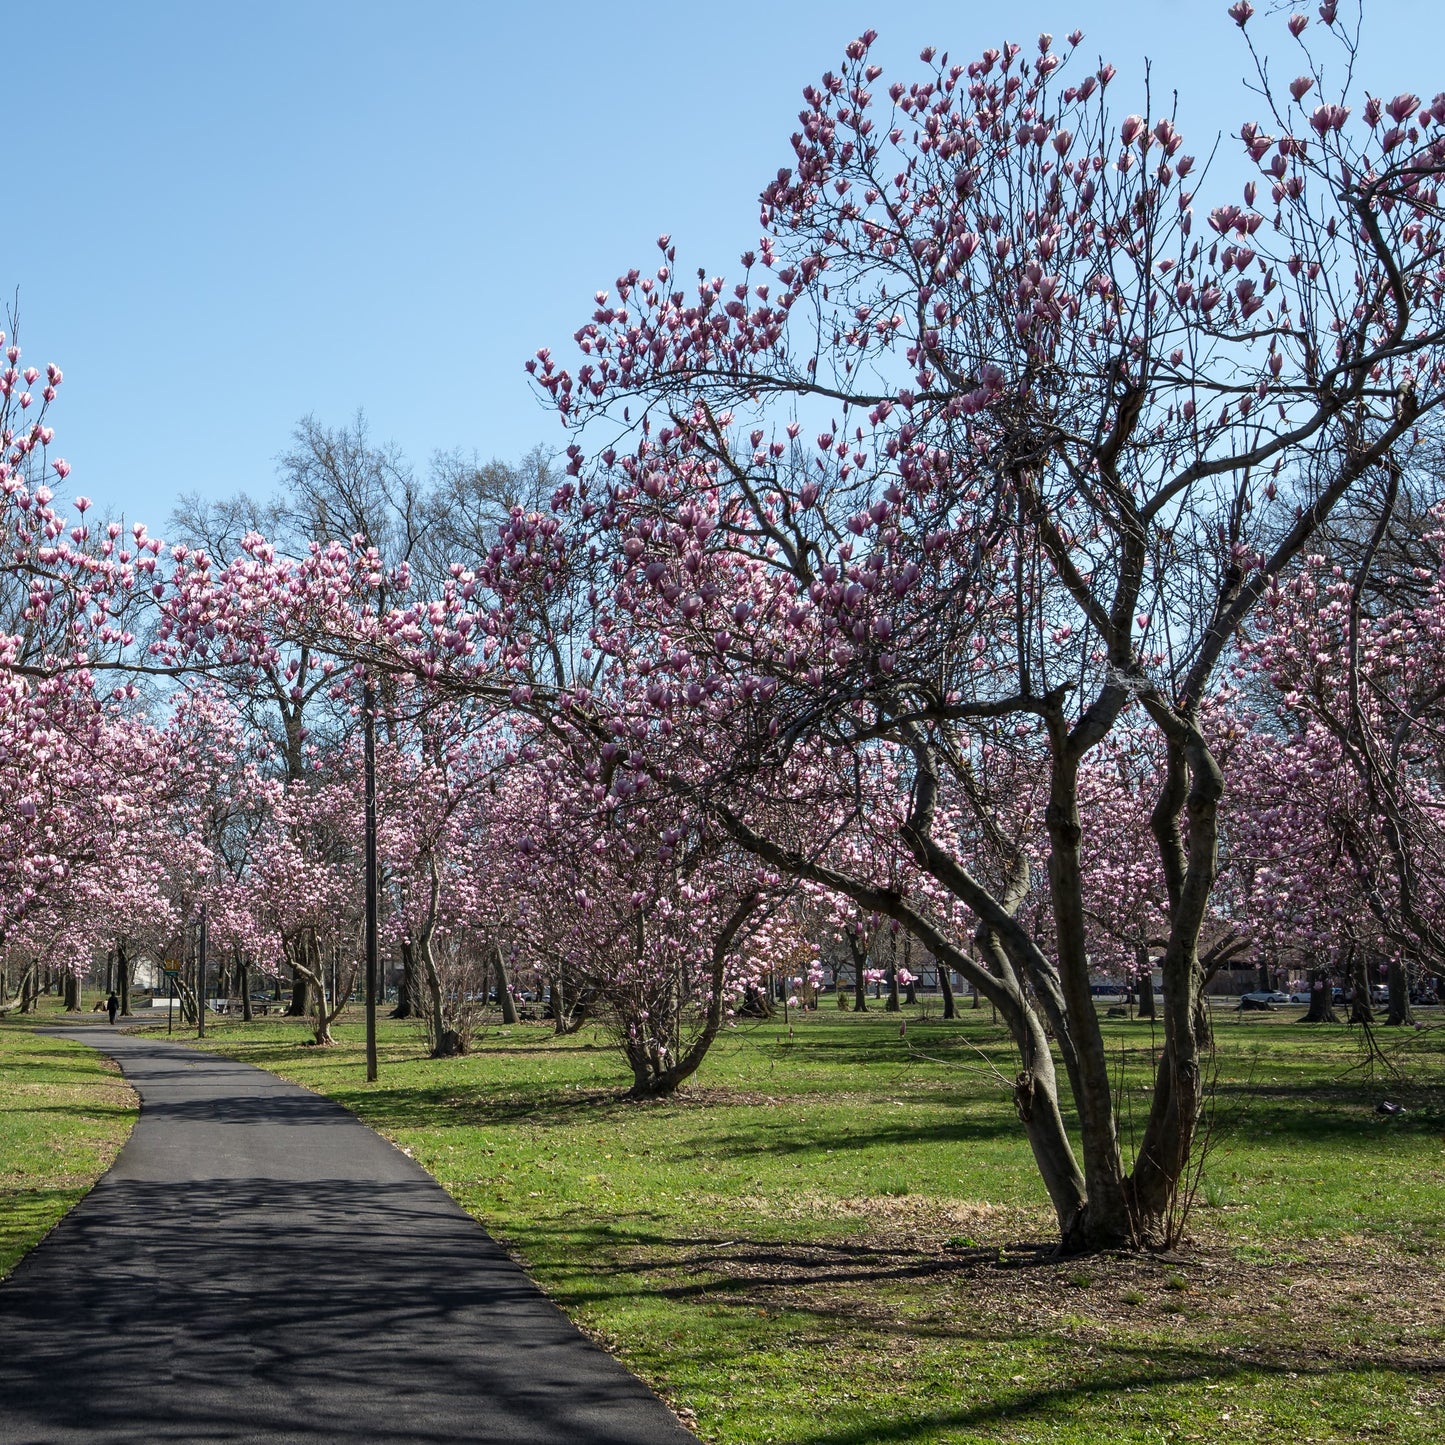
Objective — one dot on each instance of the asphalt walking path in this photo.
(260, 1266)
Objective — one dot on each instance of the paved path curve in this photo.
(260, 1266)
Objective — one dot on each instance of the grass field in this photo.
(834, 1236)
(64, 1113)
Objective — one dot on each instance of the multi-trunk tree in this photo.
(1009, 423)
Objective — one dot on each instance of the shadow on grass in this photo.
(763, 1262)
(48, 1066)
(1012, 1373)
(1188, 1367)
(765, 1133)
(86, 1108)
(1335, 1112)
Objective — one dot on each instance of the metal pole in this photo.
(368, 710)
(201, 976)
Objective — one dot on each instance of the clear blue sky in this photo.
(224, 216)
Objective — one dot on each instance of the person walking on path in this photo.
(112, 1006)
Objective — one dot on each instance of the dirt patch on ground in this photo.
(1323, 1306)
(699, 1098)
(900, 1220)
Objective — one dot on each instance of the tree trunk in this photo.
(408, 988)
(1144, 983)
(1397, 980)
(860, 984)
(504, 988)
(243, 980)
(945, 983)
(1362, 1009)
(71, 983)
(122, 976)
(1322, 1002)
(446, 1043)
(300, 1004)
(1108, 1222)
(316, 992)
(1036, 1094)
(652, 1081)
(893, 1005)
(1193, 784)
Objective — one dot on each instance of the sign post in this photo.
(368, 709)
(170, 971)
(201, 976)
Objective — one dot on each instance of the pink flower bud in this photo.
(1400, 109)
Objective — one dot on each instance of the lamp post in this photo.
(201, 976)
(368, 713)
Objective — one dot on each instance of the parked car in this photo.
(1269, 995)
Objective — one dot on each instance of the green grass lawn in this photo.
(64, 1113)
(834, 1235)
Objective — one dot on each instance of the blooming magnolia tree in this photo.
(1354, 694)
(84, 771)
(446, 841)
(1000, 436)
(647, 917)
(86, 784)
